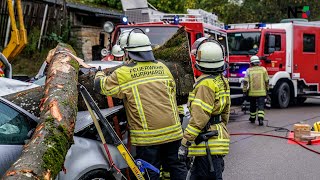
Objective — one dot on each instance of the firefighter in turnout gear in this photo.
(255, 86)
(117, 52)
(149, 93)
(206, 136)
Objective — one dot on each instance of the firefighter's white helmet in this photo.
(122, 40)
(137, 42)
(138, 46)
(209, 55)
(117, 51)
(254, 60)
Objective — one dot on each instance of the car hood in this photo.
(84, 119)
(9, 86)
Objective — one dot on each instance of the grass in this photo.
(29, 65)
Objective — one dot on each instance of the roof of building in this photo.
(96, 9)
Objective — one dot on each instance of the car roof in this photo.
(84, 119)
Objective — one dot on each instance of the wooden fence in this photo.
(33, 13)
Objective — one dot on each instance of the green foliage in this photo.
(228, 11)
(29, 61)
(54, 37)
(33, 39)
(116, 4)
(172, 6)
(246, 11)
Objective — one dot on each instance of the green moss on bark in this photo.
(57, 146)
(74, 64)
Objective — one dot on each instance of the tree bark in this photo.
(43, 156)
(28, 99)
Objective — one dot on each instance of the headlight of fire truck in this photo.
(108, 27)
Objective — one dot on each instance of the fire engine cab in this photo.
(288, 50)
(198, 23)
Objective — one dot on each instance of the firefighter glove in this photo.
(99, 75)
(183, 153)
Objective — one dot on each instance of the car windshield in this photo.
(157, 35)
(241, 43)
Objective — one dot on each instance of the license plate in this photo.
(234, 80)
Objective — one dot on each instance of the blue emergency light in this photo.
(226, 27)
(261, 25)
(124, 20)
(175, 19)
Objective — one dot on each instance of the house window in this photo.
(309, 43)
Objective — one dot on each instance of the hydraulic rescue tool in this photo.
(137, 166)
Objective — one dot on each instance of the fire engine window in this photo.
(277, 42)
(199, 35)
(157, 35)
(309, 43)
(244, 43)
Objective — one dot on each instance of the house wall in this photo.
(86, 37)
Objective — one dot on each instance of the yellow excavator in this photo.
(18, 37)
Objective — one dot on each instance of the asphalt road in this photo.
(266, 158)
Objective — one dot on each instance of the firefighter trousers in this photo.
(163, 154)
(201, 169)
(257, 103)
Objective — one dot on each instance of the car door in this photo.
(15, 128)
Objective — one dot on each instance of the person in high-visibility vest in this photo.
(209, 106)
(256, 86)
(149, 93)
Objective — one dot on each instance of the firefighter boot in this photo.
(252, 120)
(260, 119)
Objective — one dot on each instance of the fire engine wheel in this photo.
(98, 174)
(282, 95)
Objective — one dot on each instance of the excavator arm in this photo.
(22, 32)
(18, 39)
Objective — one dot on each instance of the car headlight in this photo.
(108, 27)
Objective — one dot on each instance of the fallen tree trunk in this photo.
(28, 99)
(43, 156)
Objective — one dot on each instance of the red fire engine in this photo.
(288, 50)
(162, 27)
